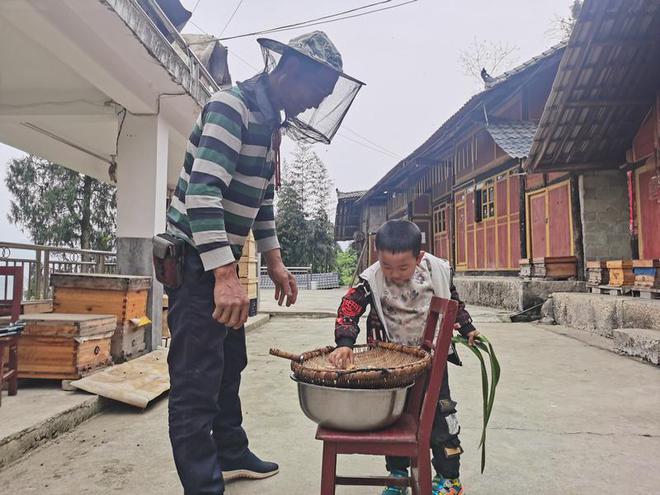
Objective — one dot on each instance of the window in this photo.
(484, 201)
(440, 220)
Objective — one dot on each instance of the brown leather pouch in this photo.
(168, 255)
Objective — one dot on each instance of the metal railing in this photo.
(303, 276)
(40, 262)
(201, 79)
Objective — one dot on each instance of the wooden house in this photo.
(558, 158)
(601, 124)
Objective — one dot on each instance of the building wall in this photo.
(490, 243)
(605, 215)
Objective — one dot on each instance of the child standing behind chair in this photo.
(399, 288)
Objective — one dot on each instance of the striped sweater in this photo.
(226, 184)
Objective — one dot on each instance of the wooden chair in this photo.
(12, 308)
(410, 436)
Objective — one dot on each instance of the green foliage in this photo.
(303, 225)
(59, 207)
(346, 264)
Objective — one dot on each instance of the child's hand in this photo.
(341, 357)
(470, 336)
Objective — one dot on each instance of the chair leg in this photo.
(424, 472)
(414, 476)
(2, 370)
(328, 469)
(13, 365)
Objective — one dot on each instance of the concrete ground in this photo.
(569, 418)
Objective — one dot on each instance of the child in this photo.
(399, 288)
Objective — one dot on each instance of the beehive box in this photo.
(597, 273)
(525, 267)
(558, 267)
(121, 295)
(64, 346)
(647, 273)
(248, 272)
(621, 273)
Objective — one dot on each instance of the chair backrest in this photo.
(12, 307)
(426, 392)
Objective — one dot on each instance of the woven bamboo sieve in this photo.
(376, 366)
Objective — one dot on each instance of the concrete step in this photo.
(638, 342)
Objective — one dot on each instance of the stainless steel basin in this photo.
(351, 409)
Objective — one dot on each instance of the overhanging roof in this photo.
(432, 149)
(604, 87)
(515, 137)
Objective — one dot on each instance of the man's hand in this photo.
(341, 357)
(286, 286)
(231, 301)
(470, 336)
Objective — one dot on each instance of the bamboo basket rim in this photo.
(397, 371)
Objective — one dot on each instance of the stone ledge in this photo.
(511, 293)
(638, 342)
(602, 314)
(17, 445)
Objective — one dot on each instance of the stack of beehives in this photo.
(123, 296)
(597, 273)
(248, 272)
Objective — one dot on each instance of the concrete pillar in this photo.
(141, 203)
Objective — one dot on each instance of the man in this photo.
(226, 188)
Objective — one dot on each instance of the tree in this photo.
(59, 207)
(483, 59)
(291, 226)
(304, 227)
(346, 264)
(562, 27)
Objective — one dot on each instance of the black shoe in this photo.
(249, 466)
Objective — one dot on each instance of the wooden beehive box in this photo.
(248, 272)
(555, 267)
(64, 346)
(647, 273)
(124, 296)
(621, 273)
(597, 273)
(525, 267)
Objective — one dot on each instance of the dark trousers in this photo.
(445, 444)
(205, 361)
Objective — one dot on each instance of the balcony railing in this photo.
(39, 262)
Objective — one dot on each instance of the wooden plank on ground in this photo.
(135, 382)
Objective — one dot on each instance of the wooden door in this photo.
(461, 248)
(648, 211)
(537, 224)
(550, 226)
(559, 220)
(442, 231)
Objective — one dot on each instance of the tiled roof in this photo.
(349, 195)
(506, 75)
(515, 137)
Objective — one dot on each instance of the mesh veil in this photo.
(320, 124)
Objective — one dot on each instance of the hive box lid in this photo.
(646, 263)
(68, 324)
(100, 281)
(619, 264)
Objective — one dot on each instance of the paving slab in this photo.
(569, 417)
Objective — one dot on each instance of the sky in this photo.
(408, 57)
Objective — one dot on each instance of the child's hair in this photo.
(399, 236)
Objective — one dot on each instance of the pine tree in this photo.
(303, 222)
(59, 207)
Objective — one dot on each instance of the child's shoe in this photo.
(444, 486)
(397, 490)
